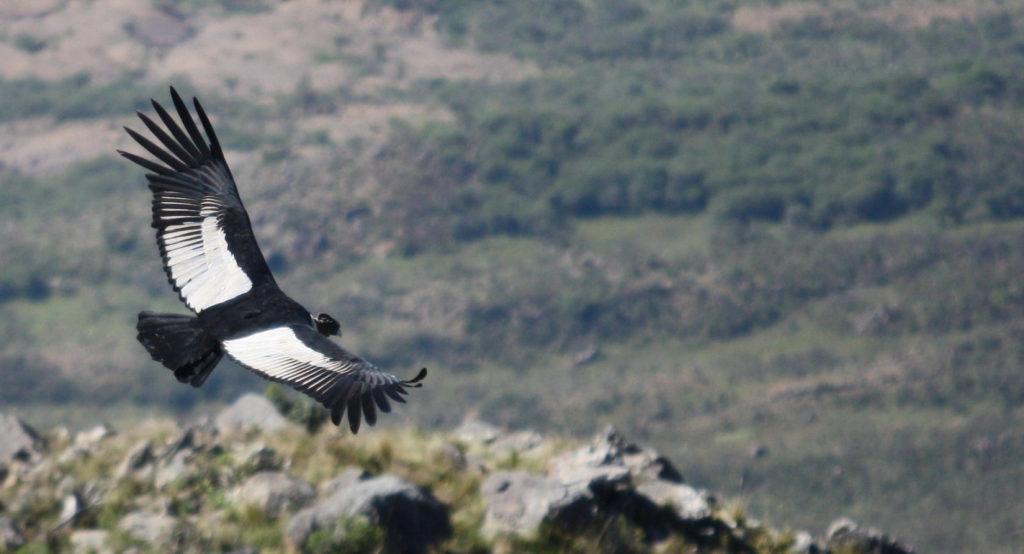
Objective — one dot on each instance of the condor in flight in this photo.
(214, 264)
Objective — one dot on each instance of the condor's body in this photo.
(260, 308)
(213, 262)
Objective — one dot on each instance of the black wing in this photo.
(203, 231)
(309, 362)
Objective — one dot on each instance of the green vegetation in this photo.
(310, 416)
(73, 98)
(29, 43)
(661, 107)
(358, 537)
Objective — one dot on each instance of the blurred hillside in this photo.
(780, 241)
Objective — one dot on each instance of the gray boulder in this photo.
(138, 463)
(412, 518)
(154, 529)
(90, 541)
(638, 484)
(688, 504)
(274, 492)
(93, 437)
(643, 462)
(598, 465)
(844, 533)
(174, 469)
(348, 477)
(519, 502)
(17, 440)
(803, 543)
(72, 454)
(252, 411)
(186, 441)
(10, 537)
(520, 442)
(610, 461)
(257, 457)
(474, 430)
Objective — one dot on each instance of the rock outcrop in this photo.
(520, 443)
(257, 457)
(234, 487)
(157, 530)
(274, 493)
(847, 535)
(610, 456)
(474, 430)
(174, 469)
(17, 440)
(687, 503)
(90, 541)
(518, 503)
(138, 463)
(10, 536)
(252, 411)
(348, 477)
(413, 519)
(587, 487)
(91, 439)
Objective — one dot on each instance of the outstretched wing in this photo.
(309, 362)
(205, 238)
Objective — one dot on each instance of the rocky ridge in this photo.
(262, 484)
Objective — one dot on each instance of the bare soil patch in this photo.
(330, 44)
(257, 56)
(43, 146)
(770, 18)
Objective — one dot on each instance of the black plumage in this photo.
(215, 266)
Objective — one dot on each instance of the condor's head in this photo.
(327, 325)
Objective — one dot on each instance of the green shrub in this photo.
(748, 205)
(876, 201)
(75, 97)
(299, 409)
(356, 536)
(982, 82)
(29, 43)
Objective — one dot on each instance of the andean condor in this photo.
(214, 264)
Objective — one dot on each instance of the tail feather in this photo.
(180, 344)
(195, 373)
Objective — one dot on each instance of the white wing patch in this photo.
(198, 258)
(279, 354)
